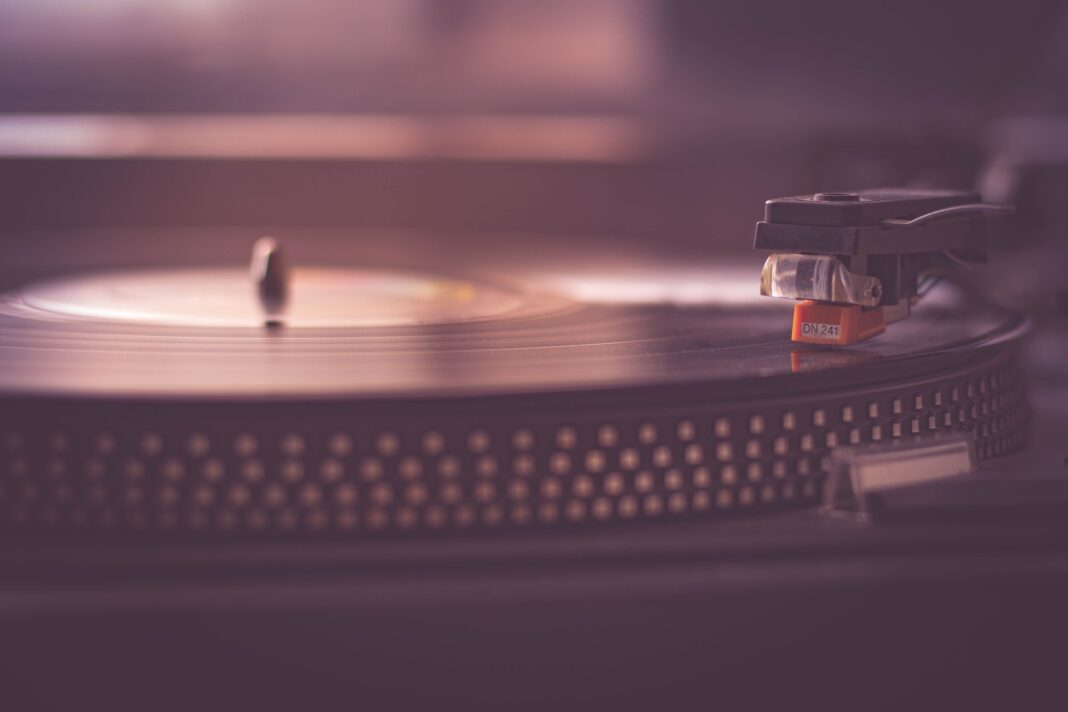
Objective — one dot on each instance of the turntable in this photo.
(333, 400)
(543, 470)
(419, 355)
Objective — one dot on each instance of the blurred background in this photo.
(639, 121)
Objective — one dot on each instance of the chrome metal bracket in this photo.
(822, 278)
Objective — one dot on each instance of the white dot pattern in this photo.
(338, 477)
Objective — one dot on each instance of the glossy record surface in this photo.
(373, 333)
